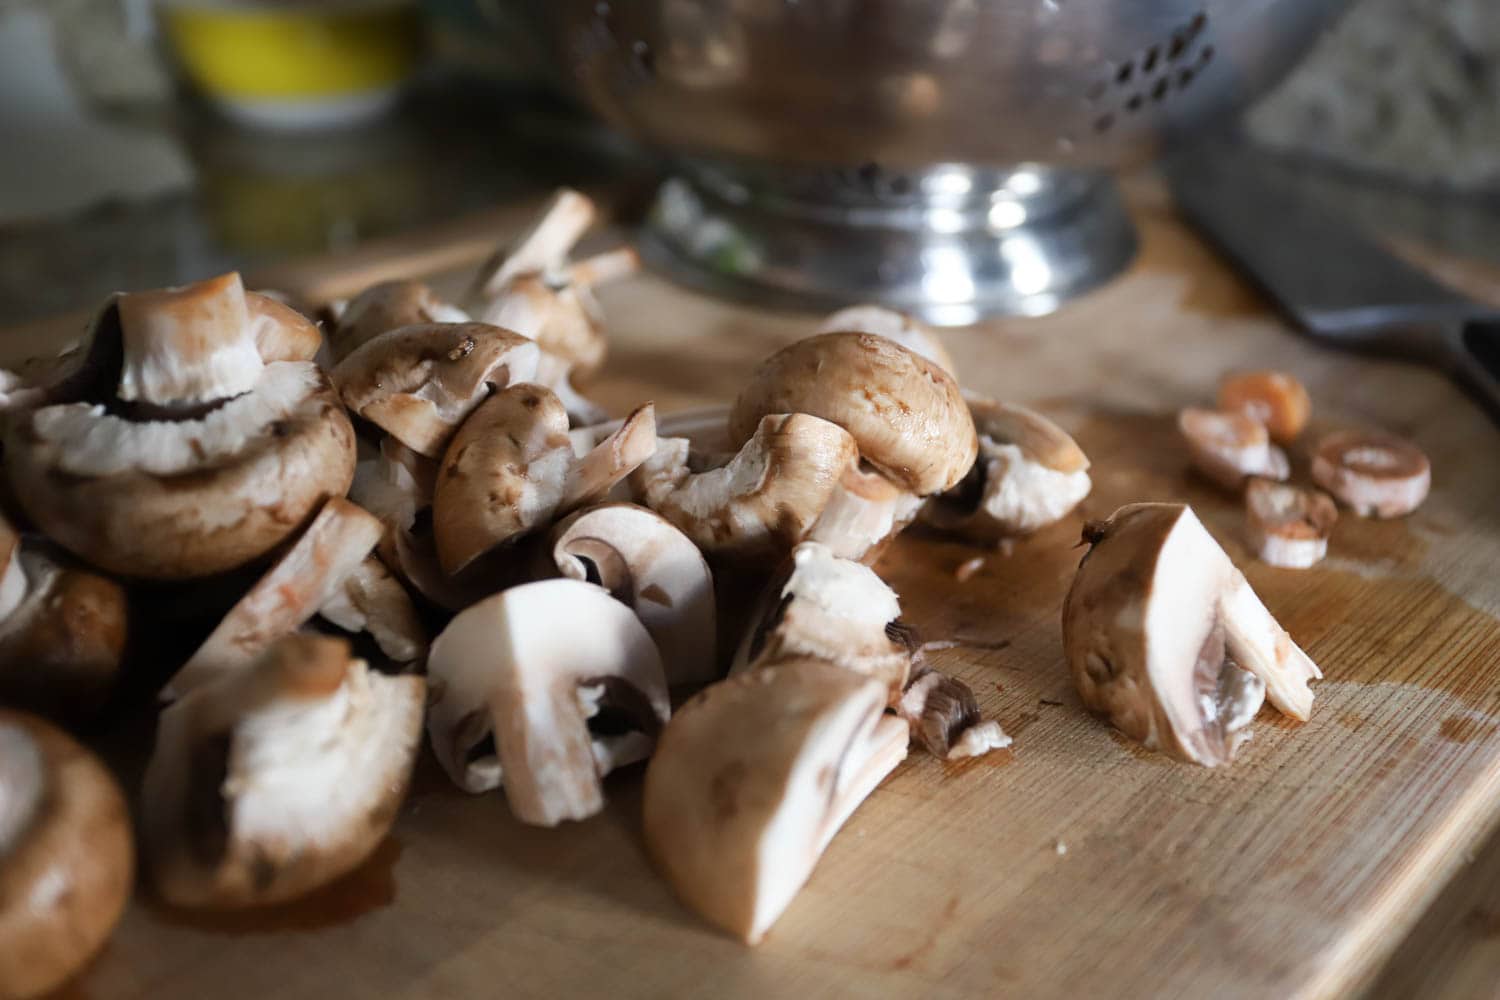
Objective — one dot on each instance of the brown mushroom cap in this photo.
(1374, 474)
(905, 413)
(388, 306)
(1272, 398)
(418, 383)
(67, 862)
(281, 332)
(278, 779)
(906, 330)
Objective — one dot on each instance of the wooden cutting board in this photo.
(1074, 864)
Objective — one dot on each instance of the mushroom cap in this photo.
(752, 779)
(185, 498)
(418, 383)
(281, 332)
(278, 779)
(1287, 525)
(906, 330)
(1228, 448)
(647, 563)
(1375, 474)
(388, 306)
(68, 860)
(530, 666)
(503, 475)
(1272, 398)
(306, 577)
(1165, 638)
(764, 500)
(905, 413)
(60, 646)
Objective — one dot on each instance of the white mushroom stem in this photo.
(1259, 645)
(865, 511)
(600, 269)
(541, 248)
(188, 345)
(371, 600)
(606, 463)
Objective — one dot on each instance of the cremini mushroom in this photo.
(67, 862)
(373, 601)
(1376, 475)
(276, 779)
(308, 576)
(647, 563)
(418, 383)
(905, 413)
(763, 500)
(384, 307)
(175, 451)
(545, 688)
(1229, 448)
(1029, 474)
(1288, 526)
(906, 330)
(830, 609)
(62, 632)
(541, 248)
(1166, 639)
(753, 778)
(1272, 398)
(864, 512)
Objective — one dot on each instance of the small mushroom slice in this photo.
(1272, 398)
(645, 562)
(281, 332)
(279, 778)
(418, 383)
(944, 717)
(829, 609)
(1287, 525)
(396, 485)
(1377, 475)
(753, 778)
(12, 576)
(863, 514)
(306, 578)
(566, 683)
(1029, 474)
(388, 306)
(600, 468)
(541, 248)
(371, 600)
(905, 413)
(200, 459)
(68, 860)
(1166, 639)
(1228, 448)
(763, 500)
(908, 331)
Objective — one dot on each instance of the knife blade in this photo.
(1338, 285)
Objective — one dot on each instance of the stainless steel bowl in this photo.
(947, 156)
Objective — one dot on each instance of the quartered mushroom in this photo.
(905, 413)
(1228, 448)
(1029, 474)
(1275, 399)
(176, 451)
(763, 500)
(310, 575)
(68, 860)
(906, 330)
(753, 778)
(418, 383)
(387, 306)
(1288, 526)
(1167, 641)
(1376, 475)
(373, 601)
(62, 632)
(545, 688)
(647, 563)
(277, 779)
(829, 609)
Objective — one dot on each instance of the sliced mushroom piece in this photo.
(541, 248)
(281, 332)
(12, 576)
(166, 480)
(1228, 448)
(753, 778)
(62, 640)
(906, 330)
(1274, 399)
(306, 578)
(1029, 474)
(388, 306)
(372, 600)
(1287, 525)
(829, 609)
(1166, 639)
(1377, 475)
(277, 779)
(565, 681)
(863, 514)
(648, 564)
(763, 500)
(944, 717)
(396, 485)
(905, 413)
(418, 383)
(601, 466)
(69, 862)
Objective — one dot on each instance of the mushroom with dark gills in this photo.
(1165, 638)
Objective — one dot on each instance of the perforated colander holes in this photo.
(1151, 75)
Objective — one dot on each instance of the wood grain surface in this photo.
(1074, 864)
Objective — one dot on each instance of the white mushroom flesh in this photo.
(1374, 474)
(1288, 526)
(188, 345)
(22, 784)
(596, 471)
(371, 600)
(1230, 447)
(865, 511)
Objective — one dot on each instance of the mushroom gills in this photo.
(944, 717)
